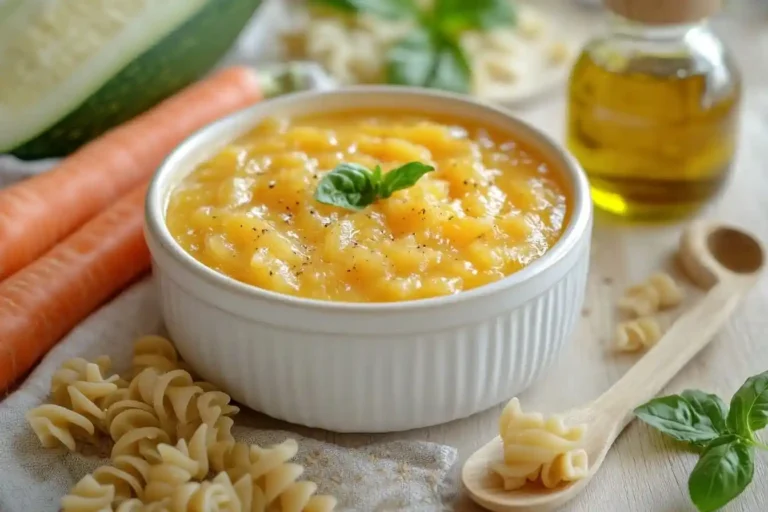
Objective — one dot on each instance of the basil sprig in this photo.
(354, 186)
(430, 56)
(725, 435)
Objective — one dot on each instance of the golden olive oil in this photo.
(653, 120)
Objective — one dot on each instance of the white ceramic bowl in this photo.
(352, 367)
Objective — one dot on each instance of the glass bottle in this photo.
(653, 109)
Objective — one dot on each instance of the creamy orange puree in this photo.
(490, 208)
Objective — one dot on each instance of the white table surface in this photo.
(644, 472)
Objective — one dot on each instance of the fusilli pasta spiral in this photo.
(538, 448)
(566, 467)
(88, 495)
(169, 432)
(277, 479)
(204, 497)
(178, 465)
(55, 425)
(127, 474)
(141, 442)
(636, 334)
(178, 402)
(659, 291)
(154, 352)
(87, 396)
(70, 371)
(80, 386)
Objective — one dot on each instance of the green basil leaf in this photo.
(456, 16)
(349, 186)
(377, 175)
(674, 416)
(709, 405)
(451, 71)
(388, 9)
(403, 177)
(749, 406)
(354, 186)
(724, 470)
(410, 61)
(428, 59)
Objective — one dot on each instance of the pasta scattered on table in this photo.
(659, 291)
(636, 334)
(539, 449)
(173, 449)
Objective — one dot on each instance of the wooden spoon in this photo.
(722, 259)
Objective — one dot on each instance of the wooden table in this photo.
(644, 472)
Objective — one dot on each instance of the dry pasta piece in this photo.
(71, 371)
(207, 496)
(88, 495)
(538, 448)
(566, 467)
(87, 396)
(141, 442)
(670, 292)
(129, 415)
(640, 300)
(127, 474)
(636, 334)
(515, 476)
(178, 402)
(659, 291)
(213, 405)
(154, 352)
(558, 53)
(233, 458)
(276, 478)
(178, 465)
(55, 425)
(172, 392)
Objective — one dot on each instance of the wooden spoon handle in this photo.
(687, 336)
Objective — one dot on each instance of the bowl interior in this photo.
(210, 140)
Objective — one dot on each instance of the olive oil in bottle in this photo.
(653, 109)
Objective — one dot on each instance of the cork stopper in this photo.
(664, 12)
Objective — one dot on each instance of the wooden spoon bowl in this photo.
(724, 260)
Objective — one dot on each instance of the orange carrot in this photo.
(43, 301)
(37, 213)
